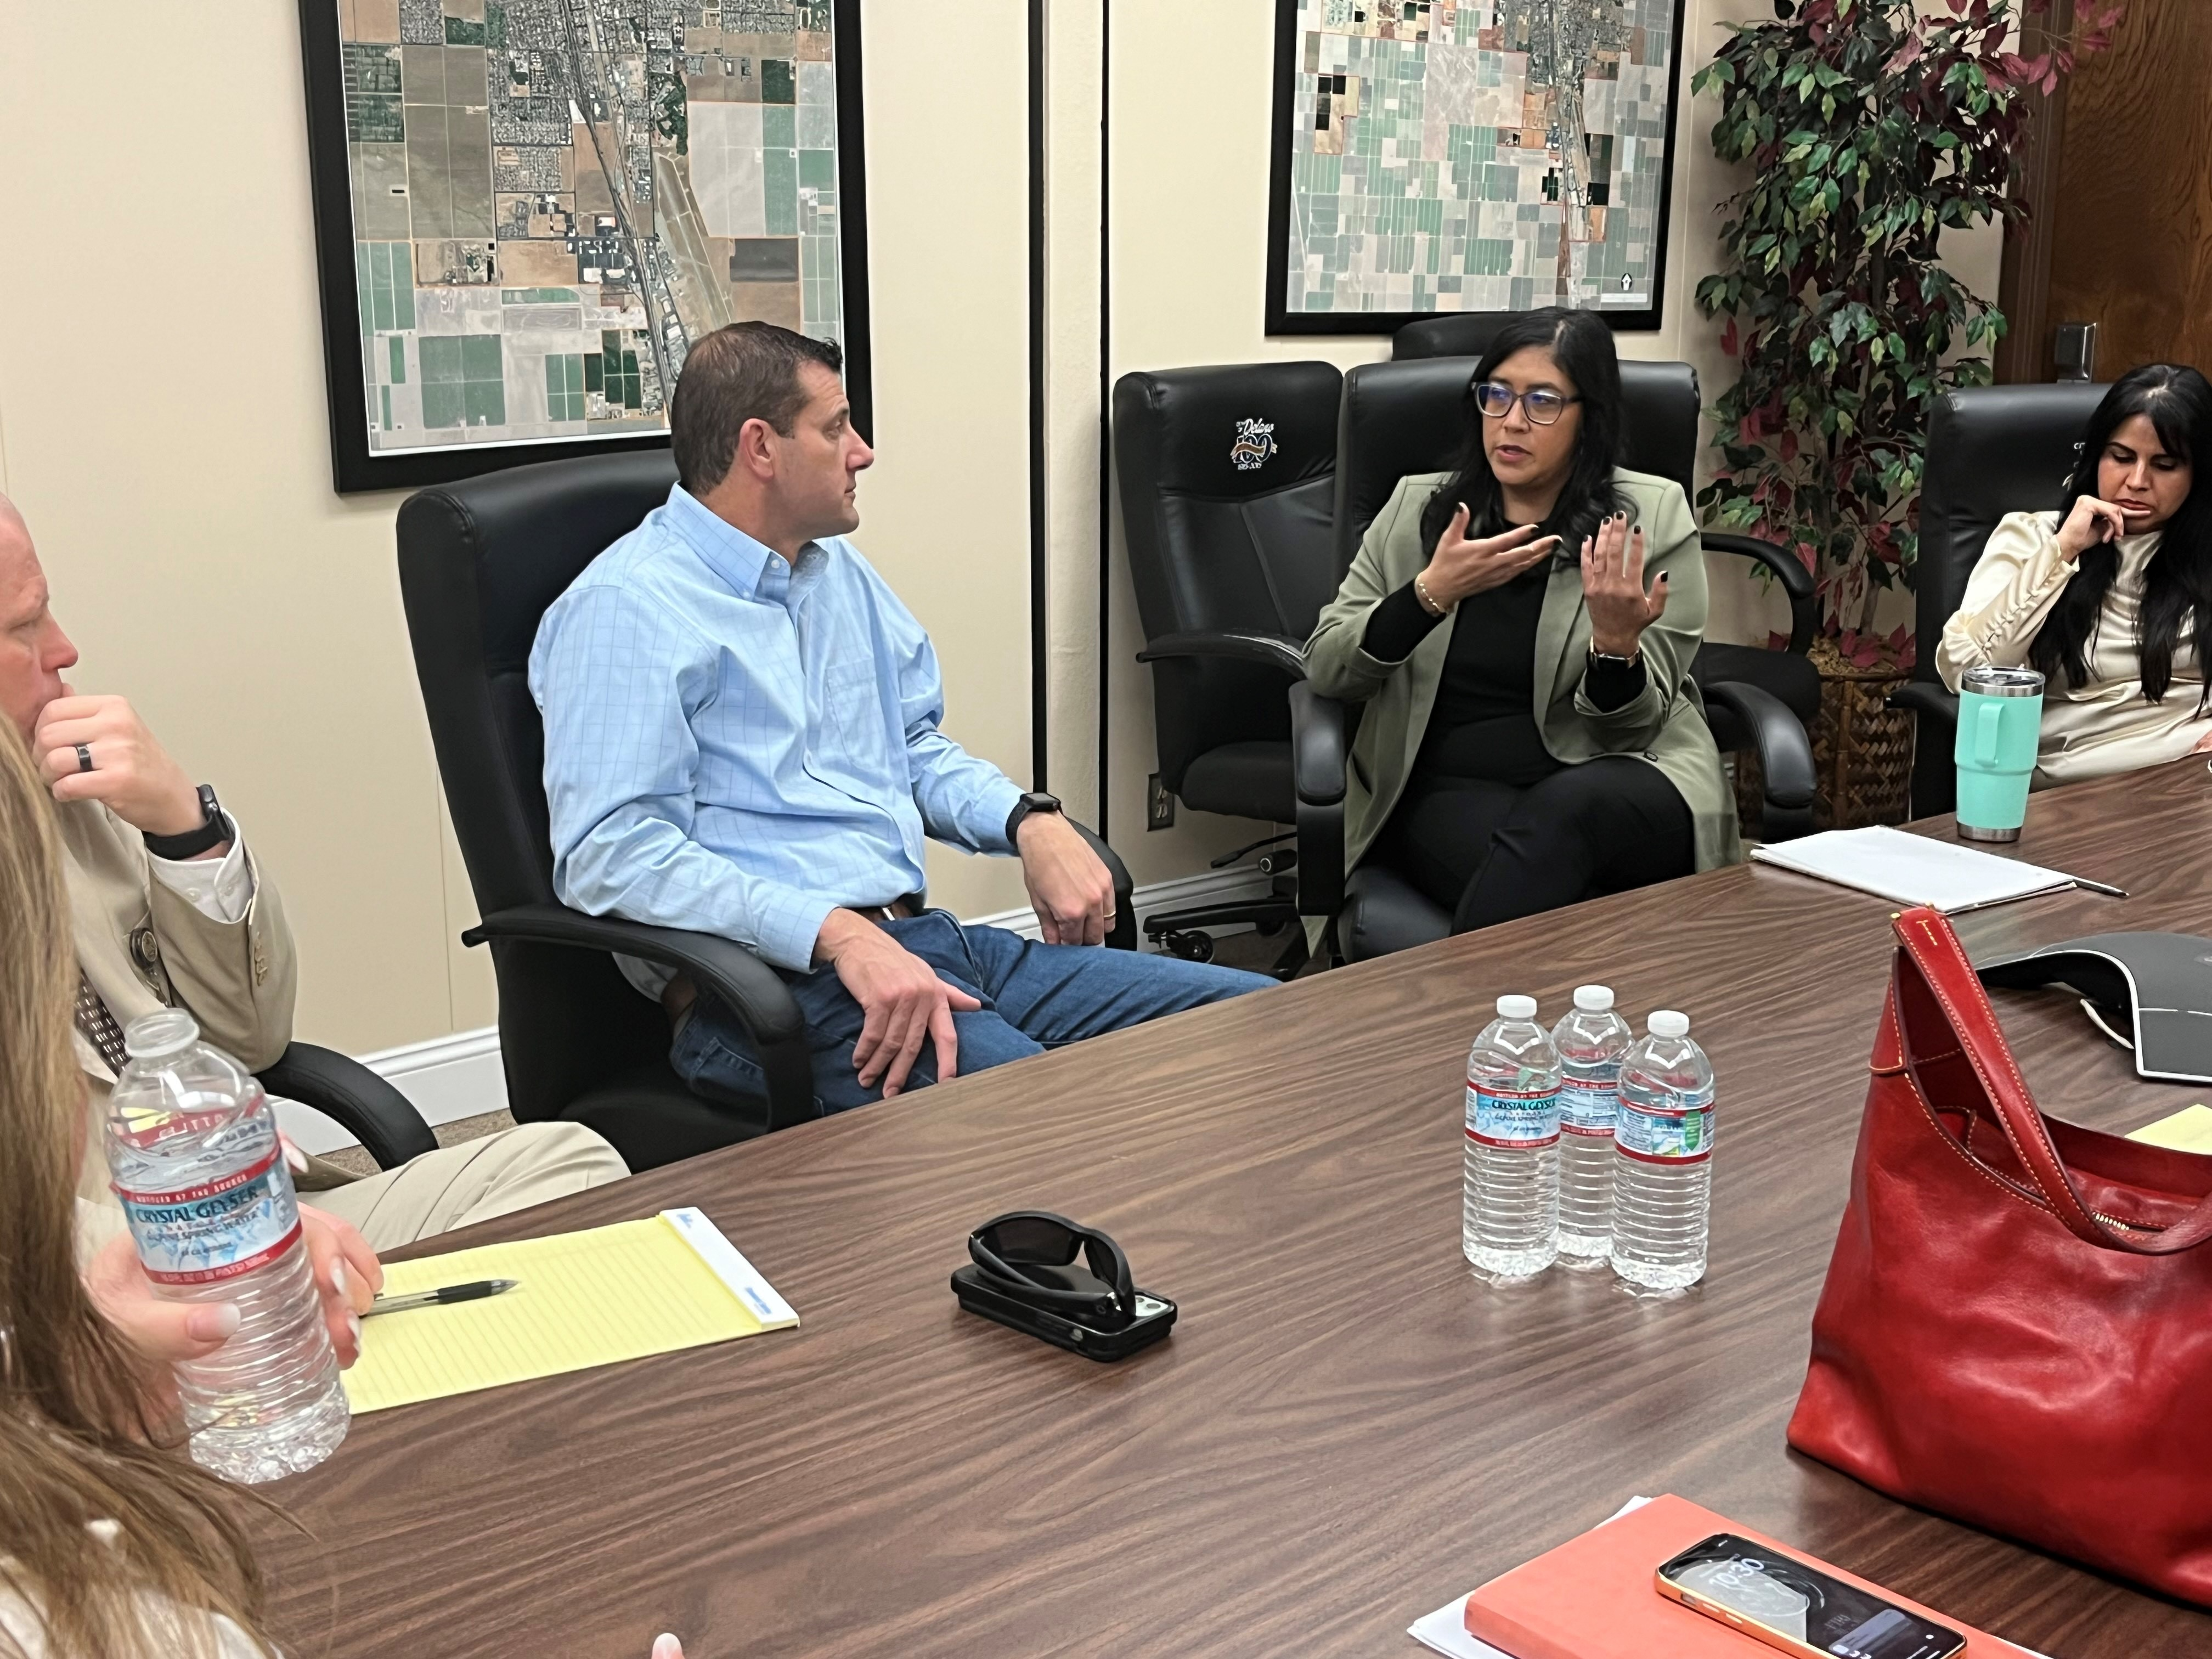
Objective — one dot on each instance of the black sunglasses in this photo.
(1033, 1253)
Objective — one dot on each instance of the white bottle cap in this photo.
(1666, 1022)
(1593, 998)
(1516, 1007)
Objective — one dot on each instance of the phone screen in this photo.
(1805, 1604)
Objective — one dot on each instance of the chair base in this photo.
(1182, 932)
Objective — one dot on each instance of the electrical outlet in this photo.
(1159, 806)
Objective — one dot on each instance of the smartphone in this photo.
(1154, 1318)
(1798, 1608)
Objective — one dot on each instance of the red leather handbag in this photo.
(2016, 1328)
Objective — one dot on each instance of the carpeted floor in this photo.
(1258, 952)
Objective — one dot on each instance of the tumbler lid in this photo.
(1988, 682)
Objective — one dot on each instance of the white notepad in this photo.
(1909, 869)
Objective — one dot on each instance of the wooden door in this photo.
(2126, 200)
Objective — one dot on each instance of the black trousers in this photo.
(1490, 851)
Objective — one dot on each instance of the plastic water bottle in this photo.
(1512, 1145)
(1590, 1040)
(193, 1154)
(1662, 1176)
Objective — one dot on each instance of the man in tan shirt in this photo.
(203, 929)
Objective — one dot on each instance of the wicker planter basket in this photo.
(1861, 750)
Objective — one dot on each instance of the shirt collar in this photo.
(730, 553)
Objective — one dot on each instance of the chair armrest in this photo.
(1317, 745)
(356, 1099)
(1789, 569)
(1271, 649)
(720, 968)
(1929, 698)
(1785, 755)
(1123, 935)
(1318, 748)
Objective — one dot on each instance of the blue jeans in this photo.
(1035, 997)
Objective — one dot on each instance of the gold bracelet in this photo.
(1428, 600)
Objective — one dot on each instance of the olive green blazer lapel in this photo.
(1556, 629)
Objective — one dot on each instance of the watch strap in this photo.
(1031, 801)
(215, 829)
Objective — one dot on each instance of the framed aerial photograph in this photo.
(525, 211)
(1490, 156)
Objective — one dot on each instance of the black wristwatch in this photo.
(1033, 801)
(214, 831)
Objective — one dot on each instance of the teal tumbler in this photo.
(2000, 724)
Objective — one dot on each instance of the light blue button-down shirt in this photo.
(739, 746)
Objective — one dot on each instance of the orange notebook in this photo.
(1592, 1598)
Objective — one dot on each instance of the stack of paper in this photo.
(1908, 869)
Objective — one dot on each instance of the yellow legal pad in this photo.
(583, 1299)
(2189, 1130)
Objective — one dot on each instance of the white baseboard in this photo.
(1209, 887)
(451, 1078)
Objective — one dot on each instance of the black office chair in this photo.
(363, 1104)
(479, 562)
(1406, 418)
(1992, 450)
(1227, 481)
(1467, 334)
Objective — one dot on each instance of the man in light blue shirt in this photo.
(741, 738)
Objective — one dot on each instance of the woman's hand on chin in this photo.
(2089, 523)
(1613, 588)
(1461, 569)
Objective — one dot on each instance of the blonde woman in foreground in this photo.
(112, 1545)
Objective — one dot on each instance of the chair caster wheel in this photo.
(1190, 947)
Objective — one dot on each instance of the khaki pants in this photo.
(530, 1164)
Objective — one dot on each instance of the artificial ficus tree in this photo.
(1870, 127)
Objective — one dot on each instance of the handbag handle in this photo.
(1930, 948)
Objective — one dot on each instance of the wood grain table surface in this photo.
(1346, 1430)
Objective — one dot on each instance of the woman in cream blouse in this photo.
(2111, 597)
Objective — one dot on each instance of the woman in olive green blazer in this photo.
(1594, 601)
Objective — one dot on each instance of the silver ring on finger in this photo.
(84, 758)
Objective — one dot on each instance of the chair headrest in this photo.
(1992, 450)
(1228, 433)
(530, 531)
(1411, 416)
(1467, 335)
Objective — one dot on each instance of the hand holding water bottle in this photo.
(194, 1156)
(347, 1273)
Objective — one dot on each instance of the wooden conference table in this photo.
(1346, 1430)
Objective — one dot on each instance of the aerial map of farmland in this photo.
(552, 198)
(1485, 155)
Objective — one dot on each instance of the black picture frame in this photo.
(355, 467)
(1281, 320)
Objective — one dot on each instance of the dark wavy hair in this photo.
(1582, 344)
(2177, 582)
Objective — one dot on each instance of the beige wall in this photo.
(163, 425)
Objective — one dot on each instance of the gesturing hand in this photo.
(1613, 588)
(1070, 887)
(1459, 567)
(131, 773)
(902, 1001)
(2091, 521)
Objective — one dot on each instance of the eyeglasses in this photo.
(1034, 1252)
(1541, 405)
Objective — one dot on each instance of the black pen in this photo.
(483, 1287)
